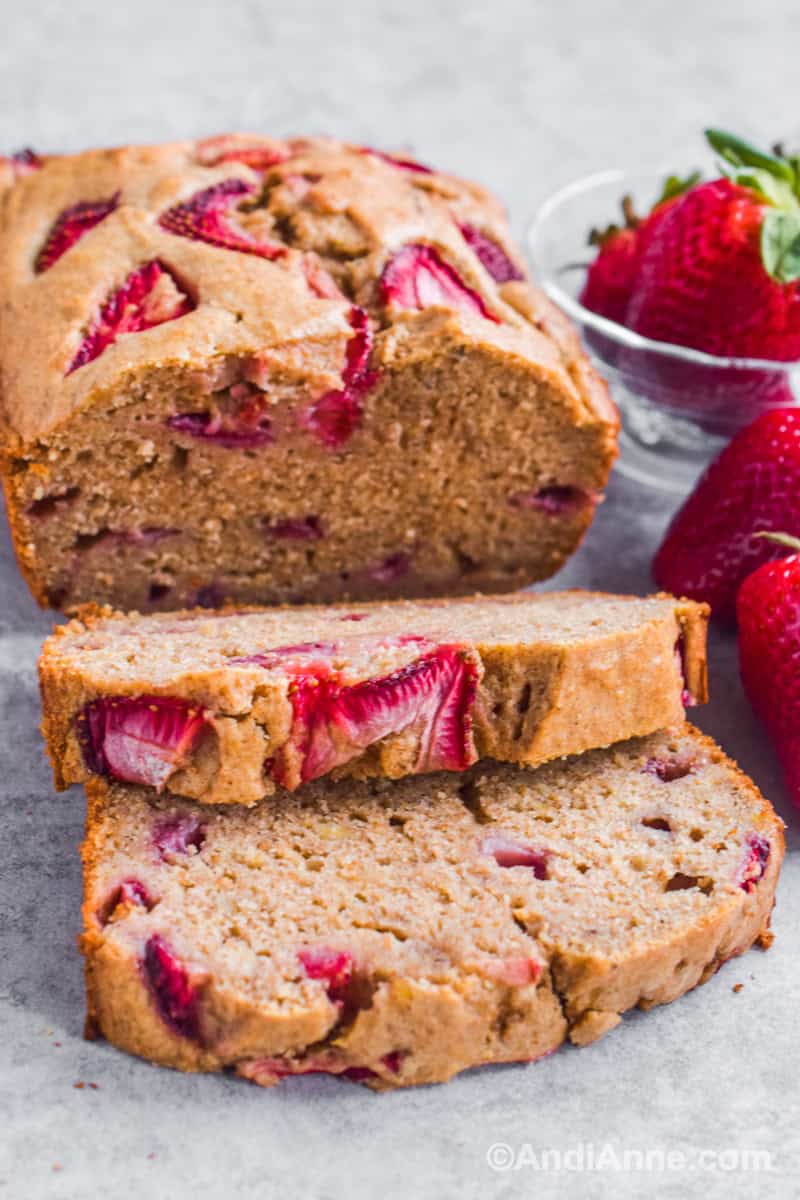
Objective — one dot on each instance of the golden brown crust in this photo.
(557, 673)
(431, 1014)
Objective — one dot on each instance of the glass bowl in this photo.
(678, 406)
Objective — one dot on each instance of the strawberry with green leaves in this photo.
(768, 611)
(719, 268)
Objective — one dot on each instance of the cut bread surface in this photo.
(227, 707)
(397, 933)
(275, 372)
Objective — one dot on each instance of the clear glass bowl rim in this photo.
(611, 329)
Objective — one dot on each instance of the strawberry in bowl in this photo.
(690, 303)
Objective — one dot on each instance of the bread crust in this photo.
(541, 694)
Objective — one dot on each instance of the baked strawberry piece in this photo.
(228, 706)
(226, 336)
(383, 932)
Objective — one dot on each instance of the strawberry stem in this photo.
(782, 539)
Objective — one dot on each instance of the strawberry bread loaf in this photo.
(274, 371)
(225, 707)
(397, 933)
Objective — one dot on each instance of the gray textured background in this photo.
(523, 95)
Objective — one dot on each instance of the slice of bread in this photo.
(398, 933)
(226, 707)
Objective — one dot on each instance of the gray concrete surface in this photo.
(523, 95)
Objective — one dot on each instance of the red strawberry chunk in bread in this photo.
(178, 833)
(555, 499)
(333, 967)
(246, 427)
(417, 277)
(491, 254)
(174, 994)
(70, 226)
(334, 722)
(335, 417)
(508, 852)
(756, 858)
(140, 739)
(295, 529)
(149, 296)
(670, 769)
(131, 893)
(203, 217)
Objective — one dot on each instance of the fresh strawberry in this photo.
(753, 485)
(491, 254)
(70, 226)
(610, 278)
(148, 297)
(204, 218)
(417, 277)
(722, 271)
(768, 610)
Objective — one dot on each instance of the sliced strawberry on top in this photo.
(70, 226)
(397, 160)
(26, 161)
(417, 277)
(204, 218)
(140, 739)
(149, 296)
(491, 254)
(225, 148)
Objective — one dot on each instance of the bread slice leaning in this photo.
(397, 933)
(228, 706)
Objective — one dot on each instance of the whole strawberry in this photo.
(611, 276)
(769, 654)
(721, 272)
(753, 485)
